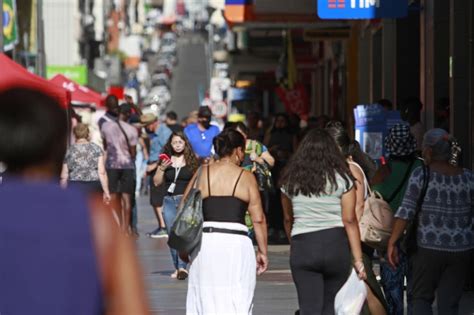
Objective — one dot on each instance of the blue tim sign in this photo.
(362, 9)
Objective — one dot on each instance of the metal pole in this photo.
(40, 56)
(1, 26)
(211, 52)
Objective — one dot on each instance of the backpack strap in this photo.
(126, 138)
(368, 191)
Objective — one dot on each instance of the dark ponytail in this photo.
(227, 141)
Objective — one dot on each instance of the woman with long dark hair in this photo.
(360, 165)
(319, 208)
(222, 276)
(175, 173)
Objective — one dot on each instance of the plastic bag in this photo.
(351, 297)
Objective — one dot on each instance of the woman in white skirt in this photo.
(222, 276)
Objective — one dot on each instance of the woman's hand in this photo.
(106, 197)
(164, 165)
(360, 269)
(392, 255)
(262, 263)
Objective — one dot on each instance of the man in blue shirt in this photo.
(202, 133)
(158, 134)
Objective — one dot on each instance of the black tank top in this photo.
(224, 208)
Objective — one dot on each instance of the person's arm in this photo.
(287, 214)
(266, 157)
(398, 228)
(64, 176)
(259, 222)
(405, 213)
(351, 226)
(160, 172)
(360, 190)
(146, 156)
(104, 181)
(120, 272)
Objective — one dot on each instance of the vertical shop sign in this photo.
(10, 29)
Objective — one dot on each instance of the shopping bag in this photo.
(351, 297)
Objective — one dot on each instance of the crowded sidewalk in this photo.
(275, 293)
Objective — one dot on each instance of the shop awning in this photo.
(15, 76)
(80, 95)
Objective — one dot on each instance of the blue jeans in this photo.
(170, 206)
(393, 281)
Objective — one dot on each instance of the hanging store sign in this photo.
(296, 100)
(75, 73)
(362, 9)
(10, 29)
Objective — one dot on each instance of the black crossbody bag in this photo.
(126, 139)
(409, 243)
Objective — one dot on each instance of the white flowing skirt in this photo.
(223, 275)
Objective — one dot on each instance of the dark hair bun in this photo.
(227, 141)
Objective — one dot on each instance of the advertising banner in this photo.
(372, 123)
(362, 9)
(77, 74)
(10, 28)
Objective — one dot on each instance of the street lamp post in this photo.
(40, 54)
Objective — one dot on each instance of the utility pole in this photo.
(1, 26)
(40, 54)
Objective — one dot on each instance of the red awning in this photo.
(13, 75)
(80, 95)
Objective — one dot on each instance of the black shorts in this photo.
(157, 194)
(121, 180)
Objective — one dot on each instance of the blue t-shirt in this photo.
(201, 141)
(158, 140)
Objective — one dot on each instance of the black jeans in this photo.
(320, 265)
(440, 272)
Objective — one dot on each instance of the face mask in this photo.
(205, 123)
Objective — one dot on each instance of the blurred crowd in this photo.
(312, 183)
